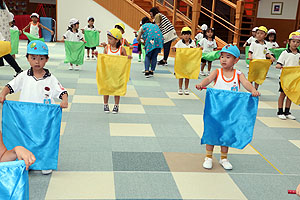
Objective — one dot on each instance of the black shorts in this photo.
(140, 47)
(93, 48)
(204, 61)
(280, 88)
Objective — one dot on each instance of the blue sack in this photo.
(34, 126)
(14, 183)
(229, 118)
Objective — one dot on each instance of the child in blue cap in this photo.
(226, 78)
(37, 84)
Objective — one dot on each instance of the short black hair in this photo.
(119, 27)
(145, 20)
(267, 38)
(154, 11)
(186, 33)
(207, 30)
(40, 55)
(91, 19)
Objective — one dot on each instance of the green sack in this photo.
(247, 55)
(32, 37)
(74, 52)
(14, 37)
(277, 52)
(91, 38)
(211, 56)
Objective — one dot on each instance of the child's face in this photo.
(294, 44)
(77, 26)
(91, 22)
(271, 37)
(253, 33)
(209, 33)
(227, 60)
(186, 37)
(260, 35)
(34, 19)
(111, 40)
(37, 62)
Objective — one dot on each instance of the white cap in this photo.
(73, 21)
(254, 29)
(298, 31)
(90, 17)
(272, 31)
(11, 17)
(34, 15)
(204, 27)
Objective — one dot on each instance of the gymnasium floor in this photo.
(151, 149)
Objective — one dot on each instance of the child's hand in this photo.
(52, 33)
(64, 104)
(96, 54)
(2, 98)
(278, 66)
(250, 57)
(199, 87)
(273, 59)
(103, 44)
(255, 93)
(24, 154)
(129, 57)
(131, 47)
(298, 190)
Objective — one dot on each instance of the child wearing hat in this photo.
(289, 57)
(185, 42)
(271, 39)
(200, 36)
(37, 84)
(226, 78)
(259, 49)
(35, 26)
(252, 38)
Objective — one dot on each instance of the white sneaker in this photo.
(77, 68)
(202, 74)
(70, 67)
(289, 116)
(207, 163)
(282, 116)
(247, 66)
(226, 164)
(180, 91)
(46, 172)
(88, 58)
(208, 73)
(93, 58)
(186, 92)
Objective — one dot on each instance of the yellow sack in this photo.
(5, 48)
(112, 74)
(258, 69)
(128, 50)
(290, 83)
(187, 63)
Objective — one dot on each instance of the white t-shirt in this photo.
(35, 29)
(208, 46)
(181, 44)
(75, 37)
(288, 59)
(232, 84)
(199, 37)
(90, 29)
(258, 50)
(14, 28)
(250, 40)
(35, 90)
(272, 45)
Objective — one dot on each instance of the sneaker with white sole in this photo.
(281, 116)
(208, 73)
(46, 172)
(180, 91)
(202, 74)
(289, 116)
(207, 163)
(88, 58)
(115, 109)
(71, 67)
(225, 164)
(186, 92)
(77, 68)
(106, 108)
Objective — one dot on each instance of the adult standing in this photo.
(167, 30)
(5, 18)
(153, 38)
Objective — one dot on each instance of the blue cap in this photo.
(37, 47)
(231, 49)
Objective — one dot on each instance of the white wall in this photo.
(81, 10)
(289, 9)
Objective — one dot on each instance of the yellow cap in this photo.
(186, 29)
(263, 28)
(122, 25)
(294, 36)
(116, 33)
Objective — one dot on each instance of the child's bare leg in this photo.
(180, 81)
(202, 66)
(224, 152)
(117, 100)
(186, 82)
(88, 53)
(209, 150)
(105, 99)
(288, 103)
(93, 52)
(209, 66)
